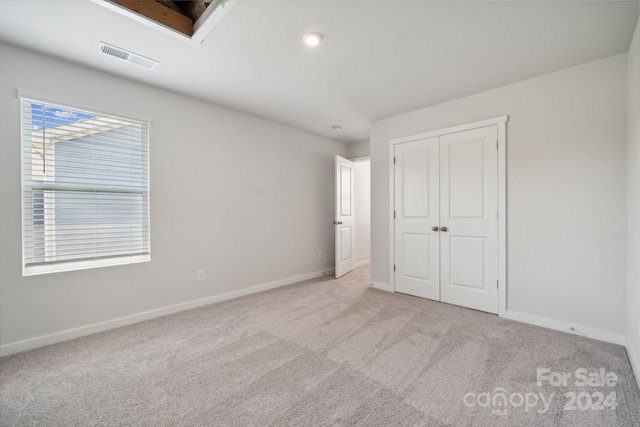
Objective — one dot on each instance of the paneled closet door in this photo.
(468, 219)
(417, 246)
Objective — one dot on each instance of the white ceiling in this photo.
(379, 58)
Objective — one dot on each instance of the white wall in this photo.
(633, 204)
(362, 211)
(358, 149)
(248, 200)
(566, 189)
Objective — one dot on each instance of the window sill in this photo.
(34, 270)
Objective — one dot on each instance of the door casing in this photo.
(501, 123)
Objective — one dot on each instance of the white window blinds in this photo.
(85, 189)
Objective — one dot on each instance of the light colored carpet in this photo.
(321, 352)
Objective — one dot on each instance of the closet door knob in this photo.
(444, 229)
(435, 228)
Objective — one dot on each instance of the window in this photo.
(85, 188)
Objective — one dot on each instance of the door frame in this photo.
(501, 123)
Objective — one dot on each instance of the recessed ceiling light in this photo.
(312, 39)
(337, 128)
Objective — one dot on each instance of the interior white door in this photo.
(446, 223)
(345, 233)
(468, 219)
(417, 261)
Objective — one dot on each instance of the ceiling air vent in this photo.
(127, 56)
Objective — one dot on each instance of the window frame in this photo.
(80, 264)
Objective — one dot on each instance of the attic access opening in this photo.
(190, 20)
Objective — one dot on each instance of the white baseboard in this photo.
(635, 361)
(361, 263)
(382, 286)
(584, 331)
(69, 334)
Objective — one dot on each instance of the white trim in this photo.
(558, 325)
(501, 123)
(209, 19)
(453, 129)
(60, 101)
(361, 159)
(382, 286)
(502, 216)
(69, 334)
(363, 263)
(635, 361)
(392, 222)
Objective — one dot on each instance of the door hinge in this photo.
(394, 268)
(497, 284)
(498, 214)
(394, 160)
(394, 214)
(497, 144)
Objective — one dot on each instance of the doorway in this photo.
(352, 214)
(362, 210)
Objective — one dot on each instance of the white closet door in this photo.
(468, 213)
(417, 211)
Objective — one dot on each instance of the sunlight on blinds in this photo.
(85, 189)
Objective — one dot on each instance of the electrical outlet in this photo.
(200, 275)
(319, 254)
